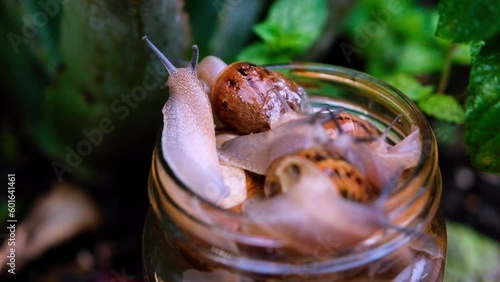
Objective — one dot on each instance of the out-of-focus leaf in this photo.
(34, 26)
(396, 36)
(290, 28)
(163, 21)
(482, 121)
(293, 24)
(463, 21)
(234, 27)
(461, 54)
(223, 27)
(54, 218)
(45, 19)
(447, 133)
(260, 54)
(443, 107)
(338, 11)
(27, 58)
(471, 256)
(10, 146)
(108, 90)
(477, 21)
(410, 86)
(203, 20)
(418, 58)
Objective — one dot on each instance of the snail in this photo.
(242, 184)
(250, 98)
(255, 152)
(378, 160)
(403, 155)
(350, 124)
(310, 210)
(346, 178)
(188, 136)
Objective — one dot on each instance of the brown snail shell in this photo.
(348, 180)
(351, 124)
(244, 97)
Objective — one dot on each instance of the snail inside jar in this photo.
(293, 183)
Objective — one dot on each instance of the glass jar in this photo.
(189, 239)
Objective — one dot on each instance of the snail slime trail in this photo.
(341, 190)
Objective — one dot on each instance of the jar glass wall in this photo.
(189, 239)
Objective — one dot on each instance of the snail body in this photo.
(310, 209)
(403, 155)
(348, 181)
(255, 152)
(188, 137)
(379, 164)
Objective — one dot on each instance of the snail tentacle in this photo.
(168, 65)
(194, 59)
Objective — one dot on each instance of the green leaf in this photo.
(290, 29)
(447, 133)
(234, 26)
(464, 21)
(293, 24)
(471, 256)
(410, 86)
(27, 56)
(420, 58)
(482, 123)
(259, 53)
(461, 54)
(396, 36)
(110, 77)
(443, 107)
(222, 27)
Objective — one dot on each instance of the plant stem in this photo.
(445, 75)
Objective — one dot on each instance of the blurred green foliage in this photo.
(290, 29)
(471, 257)
(397, 40)
(78, 69)
(398, 36)
(223, 27)
(477, 21)
(483, 107)
(471, 20)
(444, 107)
(440, 106)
